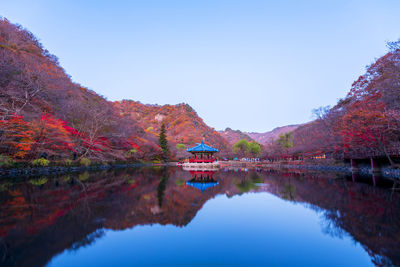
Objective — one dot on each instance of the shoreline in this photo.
(57, 170)
(384, 172)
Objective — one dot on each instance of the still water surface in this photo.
(171, 217)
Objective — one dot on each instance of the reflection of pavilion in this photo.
(202, 180)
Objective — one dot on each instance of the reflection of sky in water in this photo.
(255, 229)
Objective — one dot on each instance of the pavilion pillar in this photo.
(354, 166)
(375, 171)
(375, 178)
(375, 166)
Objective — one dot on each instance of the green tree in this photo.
(241, 147)
(246, 148)
(285, 141)
(254, 148)
(165, 155)
(180, 146)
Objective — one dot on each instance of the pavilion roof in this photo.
(202, 147)
(202, 186)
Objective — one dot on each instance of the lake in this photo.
(165, 216)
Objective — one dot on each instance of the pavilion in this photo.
(202, 153)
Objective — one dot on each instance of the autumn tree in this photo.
(51, 136)
(16, 137)
(370, 124)
(365, 128)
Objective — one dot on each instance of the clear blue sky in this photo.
(249, 65)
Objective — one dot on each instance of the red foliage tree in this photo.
(16, 136)
(51, 136)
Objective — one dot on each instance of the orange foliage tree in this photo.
(51, 136)
(16, 136)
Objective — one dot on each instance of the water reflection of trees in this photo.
(162, 186)
(289, 192)
(87, 240)
(369, 214)
(39, 220)
(248, 182)
(329, 224)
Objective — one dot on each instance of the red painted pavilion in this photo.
(202, 153)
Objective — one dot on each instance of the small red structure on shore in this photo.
(202, 153)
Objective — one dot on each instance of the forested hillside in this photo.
(42, 112)
(182, 123)
(365, 123)
(271, 136)
(233, 136)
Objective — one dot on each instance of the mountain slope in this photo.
(182, 123)
(232, 136)
(43, 112)
(268, 137)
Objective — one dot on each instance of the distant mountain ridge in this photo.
(271, 136)
(232, 136)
